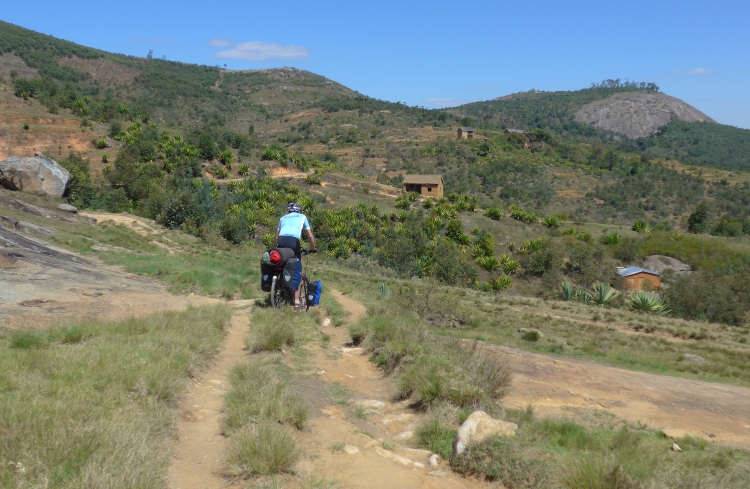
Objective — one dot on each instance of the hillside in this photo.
(139, 132)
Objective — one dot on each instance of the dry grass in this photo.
(262, 449)
(91, 405)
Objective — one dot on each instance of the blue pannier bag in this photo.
(292, 273)
(313, 293)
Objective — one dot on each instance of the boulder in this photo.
(68, 208)
(39, 175)
(28, 227)
(478, 427)
(694, 358)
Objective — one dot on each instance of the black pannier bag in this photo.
(266, 277)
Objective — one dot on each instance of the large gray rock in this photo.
(637, 114)
(37, 175)
(478, 427)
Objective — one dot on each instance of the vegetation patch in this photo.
(91, 404)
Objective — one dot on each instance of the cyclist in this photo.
(288, 235)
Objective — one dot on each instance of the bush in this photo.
(435, 434)
(177, 209)
(710, 297)
(313, 180)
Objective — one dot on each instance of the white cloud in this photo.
(258, 51)
(219, 42)
(694, 71)
(445, 102)
(700, 71)
(151, 40)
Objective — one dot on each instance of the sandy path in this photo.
(368, 465)
(199, 450)
(697, 408)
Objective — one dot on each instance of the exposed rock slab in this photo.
(38, 175)
(637, 114)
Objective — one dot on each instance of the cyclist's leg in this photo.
(293, 243)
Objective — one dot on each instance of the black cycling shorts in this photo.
(290, 242)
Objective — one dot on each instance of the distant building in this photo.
(514, 131)
(426, 185)
(637, 278)
(465, 133)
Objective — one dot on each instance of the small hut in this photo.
(465, 133)
(640, 278)
(425, 185)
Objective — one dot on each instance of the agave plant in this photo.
(583, 296)
(645, 302)
(611, 239)
(567, 291)
(641, 226)
(244, 169)
(493, 213)
(511, 267)
(552, 222)
(604, 295)
(500, 283)
(570, 231)
(226, 157)
(403, 202)
(489, 263)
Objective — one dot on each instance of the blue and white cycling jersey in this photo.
(292, 225)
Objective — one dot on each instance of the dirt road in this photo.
(717, 412)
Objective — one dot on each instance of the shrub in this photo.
(500, 283)
(313, 180)
(489, 263)
(266, 448)
(604, 295)
(26, 126)
(552, 222)
(243, 170)
(611, 239)
(435, 434)
(105, 158)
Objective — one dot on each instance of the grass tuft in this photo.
(257, 392)
(273, 329)
(262, 449)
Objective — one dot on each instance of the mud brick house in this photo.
(425, 185)
(640, 278)
(465, 133)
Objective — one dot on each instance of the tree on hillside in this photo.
(698, 220)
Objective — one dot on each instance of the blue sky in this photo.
(437, 53)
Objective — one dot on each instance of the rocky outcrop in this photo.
(478, 427)
(637, 114)
(37, 175)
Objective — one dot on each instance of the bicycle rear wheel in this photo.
(276, 297)
(303, 294)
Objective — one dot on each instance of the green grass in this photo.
(339, 393)
(259, 392)
(551, 453)
(274, 329)
(92, 404)
(261, 449)
(333, 308)
(428, 370)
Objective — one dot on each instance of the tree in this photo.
(698, 220)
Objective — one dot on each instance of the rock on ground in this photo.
(478, 427)
(694, 358)
(37, 175)
(68, 208)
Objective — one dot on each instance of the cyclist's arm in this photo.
(311, 239)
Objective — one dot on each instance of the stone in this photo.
(676, 447)
(531, 330)
(396, 458)
(28, 227)
(38, 175)
(480, 426)
(369, 404)
(694, 358)
(373, 443)
(434, 461)
(397, 418)
(351, 449)
(673, 433)
(68, 208)
(406, 435)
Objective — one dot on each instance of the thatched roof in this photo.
(424, 179)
